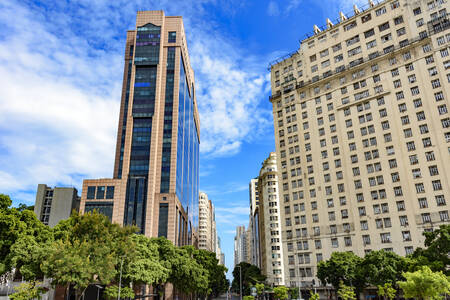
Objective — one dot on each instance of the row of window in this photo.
(100, 192)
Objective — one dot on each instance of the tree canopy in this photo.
(341, 267)
(425, 284)
(251, 275)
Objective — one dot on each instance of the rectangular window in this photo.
(91, 192)
(172, 37)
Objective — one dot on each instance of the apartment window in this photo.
(419, 23)
(423, 202)
(337, 47)
(380, 11)
(429, 59)
(385, 237)
(349, 26)
(440, 200)
(366, 18)
(406, 236)
(334, 243)
(435, 83)
(398, 191)
(405, 120)
(426, 217)
(443, 215)
(415, 90)
(347, 241)
(383, 26)
(366, 239)
(426, 142)
(398, 20)
(437, 186)
(417, 11)
(386, 38)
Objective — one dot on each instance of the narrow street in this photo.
(224, 297)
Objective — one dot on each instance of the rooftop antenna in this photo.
(316, 29)
(329, 23)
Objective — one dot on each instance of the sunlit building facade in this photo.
(155, 180)
(362, 134)
(270, 243)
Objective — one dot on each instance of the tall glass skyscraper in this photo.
(155, 181)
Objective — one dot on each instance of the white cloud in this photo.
(61, 66)
(231, 216)
(273, 10)
(293, 4)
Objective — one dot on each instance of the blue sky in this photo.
(61, 68)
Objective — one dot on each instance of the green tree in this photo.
(435, 255)
(28, 290)
(386, 291)
(293, 293)
(346, 292)
(379, 267)
(280, 292)
(342, 266)
(112, 292)
(248, 298)
(250, 276)
(217, 282)
(187, 275)
(21, 237)
(425, 284)
(87, 250)
(143, 264)
(314, 296)
(260, 288)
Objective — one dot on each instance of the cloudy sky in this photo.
(61, 65)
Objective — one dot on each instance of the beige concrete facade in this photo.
(205, 227)
(362, 134)
(180, 228)
(270, 224)
(55, 204)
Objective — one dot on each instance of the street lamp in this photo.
(120, 277)
(99, 287)
(240, 281)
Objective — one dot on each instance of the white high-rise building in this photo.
(270, 222)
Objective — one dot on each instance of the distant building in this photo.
(270, 222)
(222, 259)
(55, 204)
(240, 245)
(205, 228)
(254, 256)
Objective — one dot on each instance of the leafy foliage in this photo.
(379, 267)
(346, 292)
(342, 266)
(250, 276)
(27, 291)
(425, 284)
(293, 293)
(217, 282)
(280, 292)
(143, 265)
(314, 296)
(21, 236)
(87, 250)
(112, 292)
(436, 254)
(387, 291)
(260, 288)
